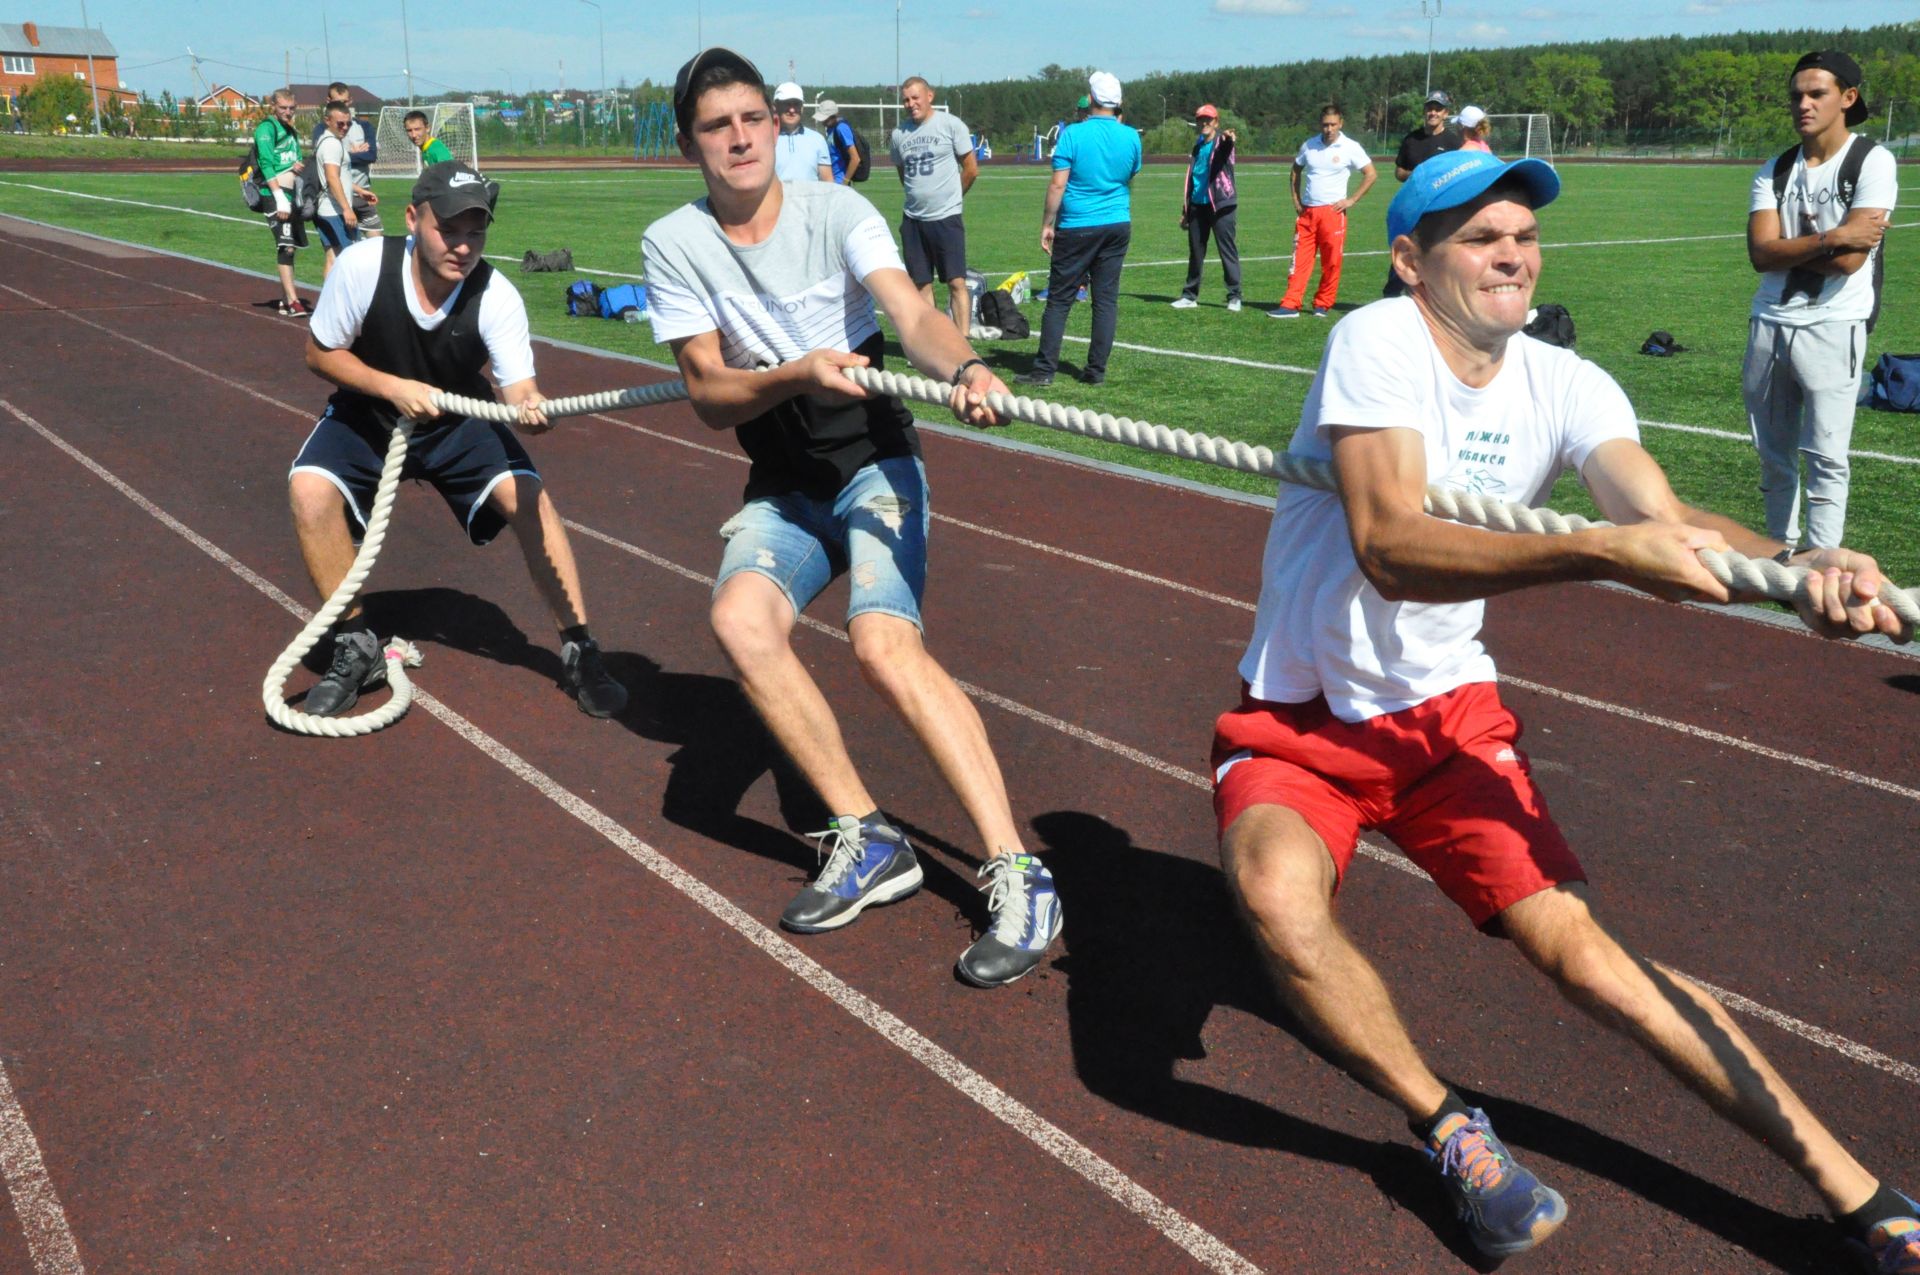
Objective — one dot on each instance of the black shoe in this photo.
(357, 665)
(585, 675)
(1034, 378)
(1090, 377)
(867, 864)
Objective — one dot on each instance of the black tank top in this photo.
(448, 357)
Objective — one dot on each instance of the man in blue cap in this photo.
(1370, 703)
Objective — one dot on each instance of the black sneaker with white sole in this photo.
(358, 663)
(1026, 918)
(585, 676)
(868, 863)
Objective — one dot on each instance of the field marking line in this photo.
(43, 1220)
(1201, 1244)
(136, 203)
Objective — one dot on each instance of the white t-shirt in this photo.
(347, 295)
(1808, 207)
(331, 150)
(797, 156)
(1321, 627)
(1328, 168)
(797, 290)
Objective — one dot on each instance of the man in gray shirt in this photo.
(933, 153)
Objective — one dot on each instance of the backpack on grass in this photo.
(624, 301)
(997, 310)
(1552, 324)
(1893, 385)
(583, 299)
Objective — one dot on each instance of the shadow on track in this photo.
(1154, 946)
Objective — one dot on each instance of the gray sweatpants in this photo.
(1800, 383)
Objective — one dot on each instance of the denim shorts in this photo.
(875, 529)
(333, 231)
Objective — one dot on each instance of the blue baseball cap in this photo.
(1459, 177)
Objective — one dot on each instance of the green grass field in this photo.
(1617, 286)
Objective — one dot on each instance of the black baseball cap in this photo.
(744, 72)
(1846, 73)
(1439, 96)
(451, 188)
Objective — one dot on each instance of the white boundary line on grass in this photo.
(1799, 1027)
(1201, 1244)
(43, 1221)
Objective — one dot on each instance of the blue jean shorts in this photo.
(333, 231)
(875, 530)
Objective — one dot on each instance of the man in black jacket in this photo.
(1208, 198)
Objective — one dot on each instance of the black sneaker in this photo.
(1026, 918)
(358, 663)
(867, 863)
(1090, 377)
(1034, 378)
(585, 675)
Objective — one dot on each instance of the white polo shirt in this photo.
(1328, 167)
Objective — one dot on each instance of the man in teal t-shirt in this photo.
(1086, 228)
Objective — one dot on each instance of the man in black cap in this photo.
(399, 320)
(1814, 225)
(1435, 136)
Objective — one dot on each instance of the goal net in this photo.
(451, 122)
(1521, 136)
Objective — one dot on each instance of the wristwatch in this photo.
(961, 370)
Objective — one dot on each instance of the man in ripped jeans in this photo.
(765, 292)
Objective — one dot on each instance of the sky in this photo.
(482, 44)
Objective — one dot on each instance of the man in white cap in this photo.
(799, 153)
(849, 153)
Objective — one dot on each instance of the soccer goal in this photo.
(451, 122)
(1522, 136)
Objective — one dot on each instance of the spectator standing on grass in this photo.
(361, 157)
(1320, 202)
(842, 146)
(800, 154)
(432, 149)
(1370, 703)
(276, 149)
(933, 154)
(1474, 129)
(765, 293)
(1085, 227)
(1207, 201)
(1435, 136)
(1816, 245)
(333, 215)
(400, 320)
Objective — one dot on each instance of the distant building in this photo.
(311, 97)
(29, 51)
(228, 101)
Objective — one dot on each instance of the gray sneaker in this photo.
(1026, 918)
(585, 675)
(867, 863)
(357, 664)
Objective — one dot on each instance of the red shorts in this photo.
(1444, 779)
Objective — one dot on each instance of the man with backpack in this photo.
(276, 157)
(851, 158)
(1814, 228)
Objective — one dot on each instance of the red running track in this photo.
(493, 990)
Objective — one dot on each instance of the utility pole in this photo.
(326, 39)
(896, 48)
(406, 50)
(598, 15)
(93, 88)
(1430, 13)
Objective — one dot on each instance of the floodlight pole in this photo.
(1430, 14)
(406, 50)
(93, 89)
(326, 40)
(896, 53)
(601, 18)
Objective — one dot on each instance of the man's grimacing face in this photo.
(732, 137)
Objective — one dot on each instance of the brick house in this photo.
(311, 97)
(230, 102)
(29, 51)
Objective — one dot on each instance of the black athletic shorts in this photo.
(291, 233)
(934, 249)
(464, 459)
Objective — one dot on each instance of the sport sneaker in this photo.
(357, 665)
(1186, 303)
(867, 863)
(1319, 312)
(1034, 378)
(585, 675)
(1893, 1245)
(1505, 1208)
(1284, 312)
(1233, 305)
(1026, 917)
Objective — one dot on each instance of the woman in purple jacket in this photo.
(1207, 201)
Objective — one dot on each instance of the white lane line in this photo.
(1201, 1244)
(50, 1242)
(578, 269)
(1201, 781)
(136, 203)
(1715, 737)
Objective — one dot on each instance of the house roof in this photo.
(315, 94)
(56, 42)
(218, 89)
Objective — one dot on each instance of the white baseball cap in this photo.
(1104, 88)
(1470, 117)
(789, 92)
(825, 109)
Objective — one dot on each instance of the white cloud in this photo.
(1539, 13)
(1262, 8)
(1485, 31)
(1407, 33)
(981, 15)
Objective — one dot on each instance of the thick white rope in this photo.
(398, 654)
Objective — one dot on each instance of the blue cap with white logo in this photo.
(1458, 177)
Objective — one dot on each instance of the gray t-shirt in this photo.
(927, 157)
(799, 289)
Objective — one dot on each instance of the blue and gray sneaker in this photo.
(1506, 1208)
(1026, 917)
(867, 863)
(1893, 1246)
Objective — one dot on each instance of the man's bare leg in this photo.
(959, 304)
(1688, 1032)
(326, 543)
(544, 543)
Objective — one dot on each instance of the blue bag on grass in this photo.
(583, 299)
(1894, 384)
(624, 301)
